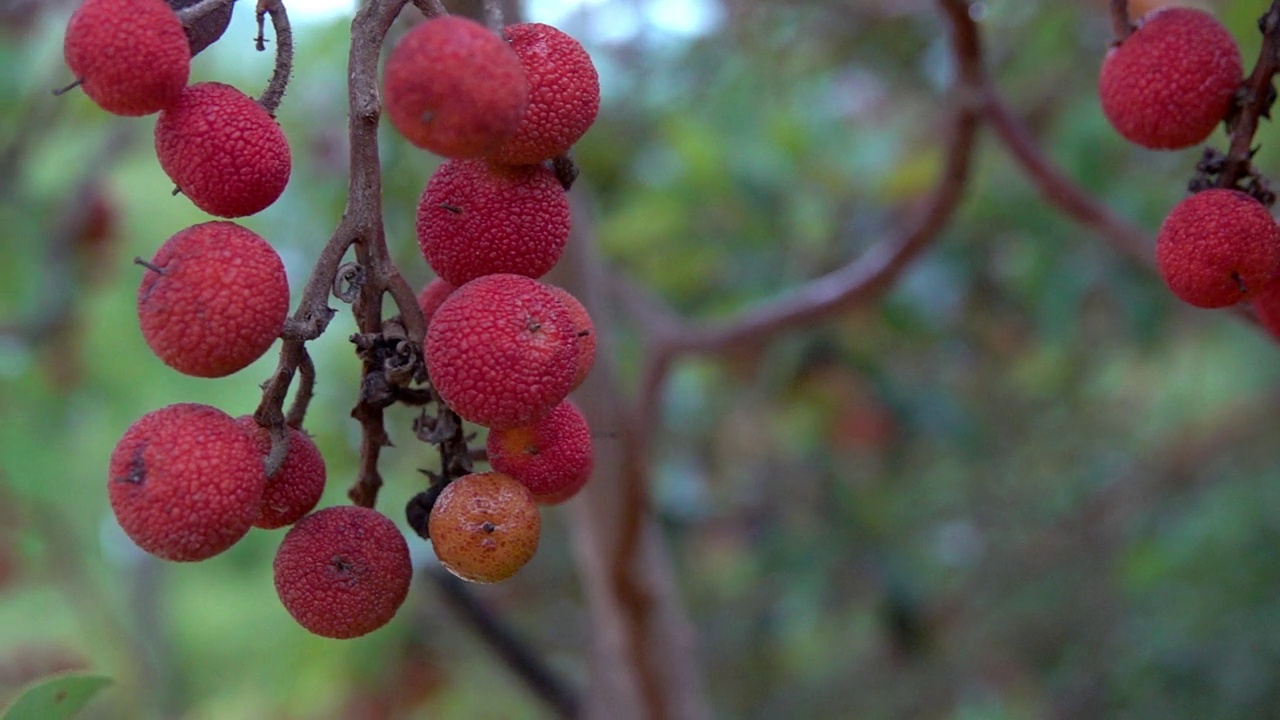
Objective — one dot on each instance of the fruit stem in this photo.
(1255, 99)
(284, 51)
(493, 15)
(67, 88)
(1120, 20)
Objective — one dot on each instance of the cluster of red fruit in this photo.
(188, 481)
(1167, 86)
(503, 350)
(221, 148)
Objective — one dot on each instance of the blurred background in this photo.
(1026, 483)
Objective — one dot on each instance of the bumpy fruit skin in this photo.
(223, 150)
(343, 571)
(475, 219)
(1170, 83)
(501, 351)
(453, 87)
(432, 296)
(296, 488)
(219, 300)
(1218, 247)
(564, 94)
(131, 56)
(484, 527)
(552, 457)
(186, 482)
(586, 332)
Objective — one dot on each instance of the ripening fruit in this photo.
(477, 219)
(1170, 83)
(552, 457)
(501, 351)
(213, 299)
(453, 87)
(586, 332)
(223, 150)
(343, 571)
(186, 482)
(131, 56)
(1218, 247)
(432, 296)
(484, 527)
(297, 486)
(564, 94)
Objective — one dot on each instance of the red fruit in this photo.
(484, 527)
(213, 299)
(453, 87)
(131, 56)
(343, 571)
(552, 457)
(1170, 83)
(186, 482)
(223, 150)
(564, 94)
(501, 351)
(476, 219)
(1218, 247)
(586, 332)
(432, 295)
(296, 488)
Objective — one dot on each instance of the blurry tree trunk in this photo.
(617, 686)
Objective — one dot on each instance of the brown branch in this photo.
(306, 389)
(1120, 23)
(523, 659)
(284, 51)
(361, 224)
(862, 280)
(1061, 191)
(431, 8)
(1254, 101)
(867, 277)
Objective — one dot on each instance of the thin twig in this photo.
(284, 51)
(1060, 191)
(1120, 23)
(306, 389)
(515, 653)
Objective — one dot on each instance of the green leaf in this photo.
(56, 697)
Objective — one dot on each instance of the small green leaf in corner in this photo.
(57, 697)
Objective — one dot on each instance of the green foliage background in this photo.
(894, 514)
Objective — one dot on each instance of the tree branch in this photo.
(1063, 193)
(1256, 97)
(862, 280)
(523, 660)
